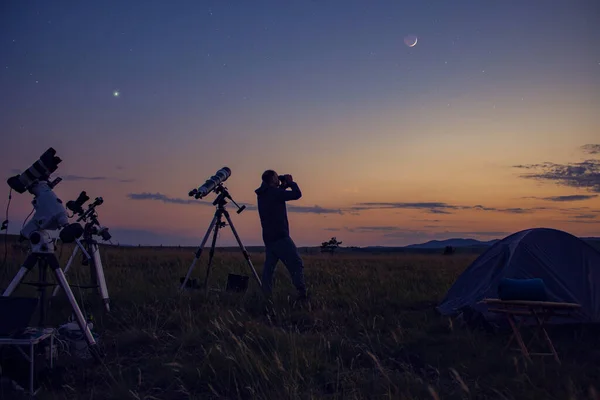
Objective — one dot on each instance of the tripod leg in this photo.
(27, 266)
(212, 252)
(246, 255)
(62, 281)
(91, 265)
(56, 289)
(199, 251)
(42, 270)
(97, 263)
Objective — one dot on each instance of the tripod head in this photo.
(222, 196)
(89, 216)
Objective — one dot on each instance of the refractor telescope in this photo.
(211, 183)
(93, 225)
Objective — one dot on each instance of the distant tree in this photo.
(448, 250)
(330, 246)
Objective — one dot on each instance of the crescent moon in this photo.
(411, 41)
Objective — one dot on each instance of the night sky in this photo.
(488, 125)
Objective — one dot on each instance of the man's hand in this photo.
(288, 178)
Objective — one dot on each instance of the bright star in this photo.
(116, 93)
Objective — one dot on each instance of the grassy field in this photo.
(371, 331)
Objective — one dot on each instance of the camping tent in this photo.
(569, 267)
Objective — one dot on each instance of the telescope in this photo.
(90, 249)
(93, 225)
(50, 215)
(39, 171)
(217, 179)
(215, 184)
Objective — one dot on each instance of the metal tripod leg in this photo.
(52, 262)
(199, 251)
(246, 255)
(78, 246)
(28, 264)
(212, 251)
(42, 264)
(62, 281)
(96, 263)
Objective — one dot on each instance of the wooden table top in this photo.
(530, 304)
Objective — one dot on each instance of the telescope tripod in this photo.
(91, 254)
(216, 224)
(43, 256)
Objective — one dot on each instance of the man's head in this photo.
(270, 178)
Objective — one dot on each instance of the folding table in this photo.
(539, 311)
(31, 338)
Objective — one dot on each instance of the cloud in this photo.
(438, 211)
(432, 207)
(400, 232)
(581, 175)
(76, 178)
(313, 210)
(84, 178)
(573, 197)
(377, 228)
(165, 199)
(442, 235)
(441, 208)
(585, 216)
(173, 200)
(591, 148)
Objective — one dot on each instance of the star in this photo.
(116, 93)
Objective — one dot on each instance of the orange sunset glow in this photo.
(390, 144)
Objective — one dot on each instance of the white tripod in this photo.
(96, 269)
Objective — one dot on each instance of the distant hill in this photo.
(461, 243)
(455, 242)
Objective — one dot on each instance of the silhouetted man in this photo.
(276, 233)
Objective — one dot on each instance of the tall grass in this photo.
(370, 331)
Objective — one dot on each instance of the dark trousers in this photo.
(286, 251)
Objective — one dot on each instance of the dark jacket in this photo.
(273, 211)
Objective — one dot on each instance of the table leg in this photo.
(512, 337)
(52, 351)
(31, 368)
(517, 336)
(540, 323)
